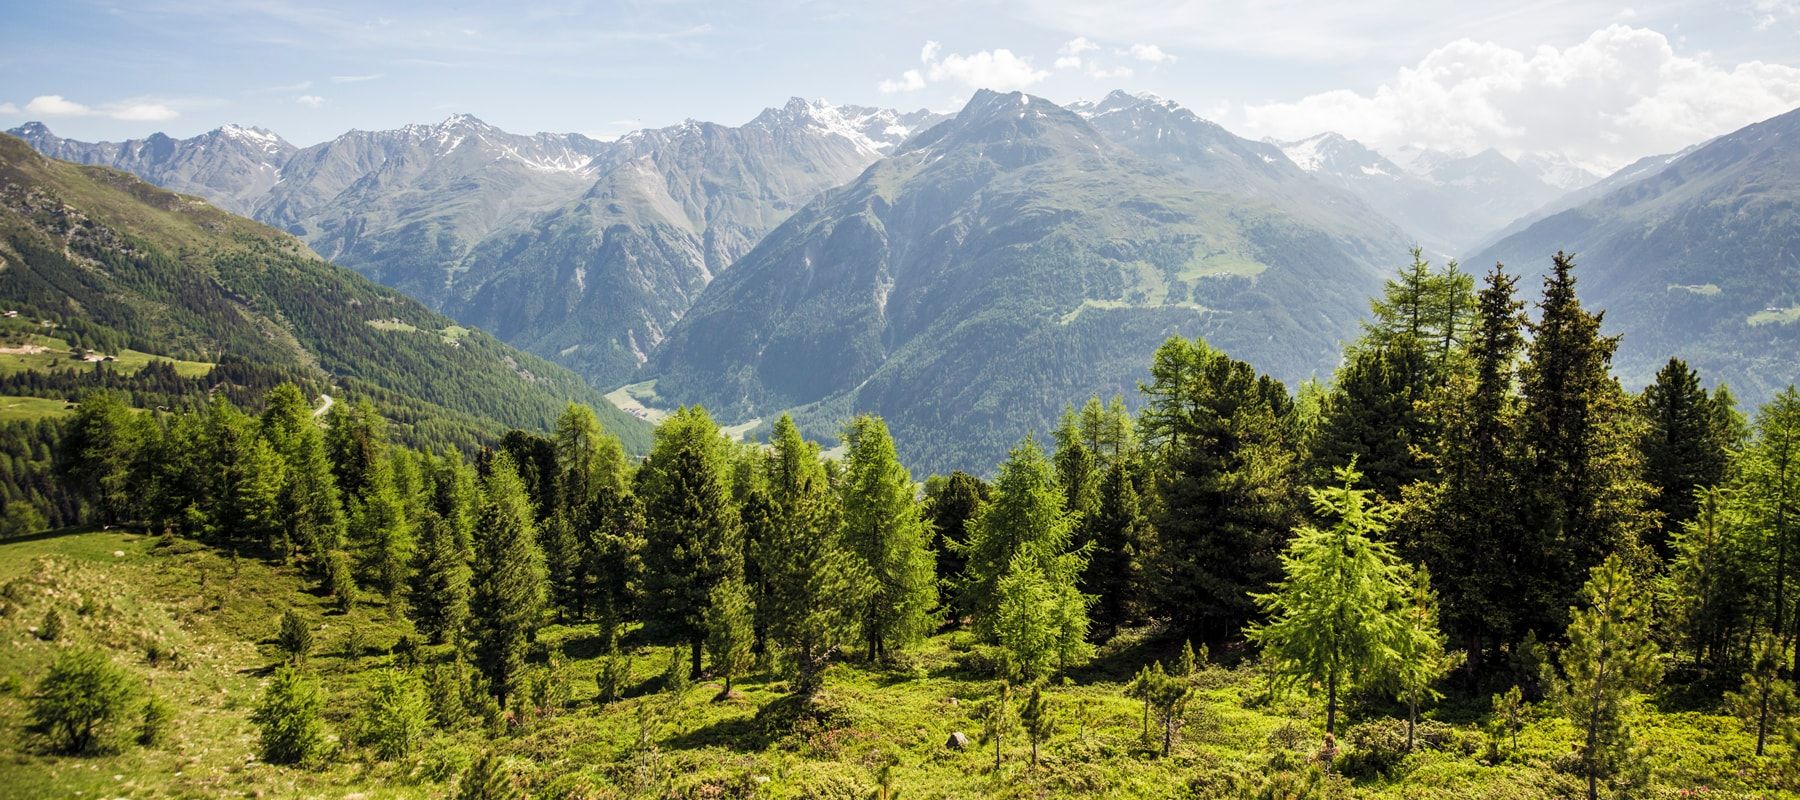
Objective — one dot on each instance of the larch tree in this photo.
(1610, 660)
(507, 583)
(885, 529)
(1337, 619)
(728, 632)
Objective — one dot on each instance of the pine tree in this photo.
(1712, 580)
(1077, 467)
(885, 530)
(1224, 467)
(288, 718)
(562, 564)
(814, 589)
(310, 504)
(1610, 659)
(439, 591)
(1122, 542)
(1765, 701)
(1168, 695)
(1338, 616)
(381, 533)
(693, 534)
(243, 487)
(1376, 416)
(998, 720)
(612, 554)
(1419, 660)
(728, 633)
(294, 637)
(1470, 522)
(951, 505)
(356, 437)
(1681, 447)
(507, 581)
(1580, 436)
(97, 455)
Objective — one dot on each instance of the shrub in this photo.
(77, 705)
(52, 628)
(153, 724)
(613, 677)
(393, 719)
(291, 731)
(445, 686)
(489, 778)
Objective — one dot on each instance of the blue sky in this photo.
(1598, 82)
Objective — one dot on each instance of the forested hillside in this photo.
(1472, 564)
(112, 283)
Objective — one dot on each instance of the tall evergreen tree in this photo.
(243, 488)
(814, 590)
(693, 534)
(885, 529)
(1770, 478)
(1077, 467)
(728, 633)
(507, 584)
(951, 505)
(1376, 416)
(439, 598)
(1580, 436)
(1470, 521)
(1224, 467)
(1122, 541)
(1682, 449)
(99, 451)
(356, 435)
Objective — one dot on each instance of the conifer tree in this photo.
(885, 529)
(693, 536)
(1610, 660)
(356, 436)
(814, 589)
(1122, 542)
(381, 533)
(1579, 437)
(393, 720)
(97, 455)
(1770, 480)
(1376, 416)
(80, 701)
(1224, 469)
(439, 596)
(243, 485)
(588, 458)
(1419, 660)
(1765, 701)
(728, 633)
(1037, 718)
(1470, 521)
(294, 637)
(288, 717)
(1077, 467)
(489, 777)
(1168, 695)
(951, 505)
(1712, 580)
(998, 719)
(612, 547)
(1682, 449)
(1338, 617)
(507, 580)
(456, 496)
(310, 506)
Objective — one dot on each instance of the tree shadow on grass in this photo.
(741, 734)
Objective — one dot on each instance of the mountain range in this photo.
(964, 275)
(1695, 255)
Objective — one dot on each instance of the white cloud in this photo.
(1150, 53)
(1621, 94)
(1068, 62)
(310, 100)
(1770, 13)
(999, 70)
(142, 112)
(987, 69)
(909, 81)
(1104, 73)
(1077, 46)
(357, 78)
(55, 105)
(8, 108)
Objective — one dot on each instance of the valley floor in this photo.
(135, 595)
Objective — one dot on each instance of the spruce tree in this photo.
(1122, 542)
(885, 529)
(612, 545)
(356, 436)
(1338, 616)
(394, 717)
(951, 505)
(507, 580)
(1712, 580)
(693, 536)
(1610, 660)
(96, 456)
(439, 589)
(294, 637)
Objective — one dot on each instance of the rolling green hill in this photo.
(98, 259)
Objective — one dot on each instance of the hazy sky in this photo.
(1600, 82)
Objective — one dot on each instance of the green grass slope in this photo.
(212, 619)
